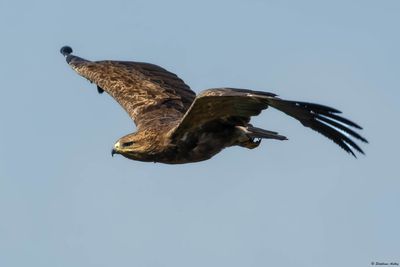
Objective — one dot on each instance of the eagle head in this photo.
(135, 146)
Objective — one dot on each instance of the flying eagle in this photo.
(175, 126)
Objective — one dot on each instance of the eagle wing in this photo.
(230, 104)
(150, 94)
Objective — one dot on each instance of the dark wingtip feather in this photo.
(341, 127)
(317, 107)
(343, 120)
(328, 112)
(339, 138)
(66, 50)
(354, 155)
(324, 120)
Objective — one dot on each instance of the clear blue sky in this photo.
(304, 202)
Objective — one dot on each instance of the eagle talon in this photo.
(251, 143)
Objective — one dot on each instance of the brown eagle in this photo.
(175, 126)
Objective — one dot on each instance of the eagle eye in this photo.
(127, 144)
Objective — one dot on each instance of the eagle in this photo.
(176, 126)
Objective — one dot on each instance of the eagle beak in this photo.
(115, 149)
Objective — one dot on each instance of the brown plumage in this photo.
(176, 126)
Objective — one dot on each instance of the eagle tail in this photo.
(256, 132)
(250, 132)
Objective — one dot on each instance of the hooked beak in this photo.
(115, 149)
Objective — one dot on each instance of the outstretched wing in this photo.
(227, 104)
(150, 94)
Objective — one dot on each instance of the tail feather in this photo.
(255, 132)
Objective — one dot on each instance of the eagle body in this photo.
(199, 145)
(175, 126)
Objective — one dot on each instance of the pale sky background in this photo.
(65, 202)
